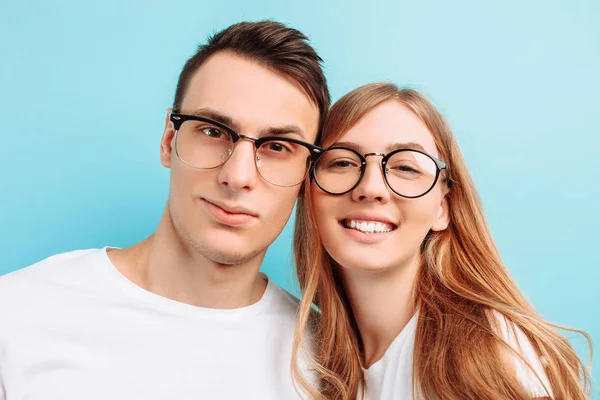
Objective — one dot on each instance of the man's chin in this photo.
(228, 259)
(230, 255)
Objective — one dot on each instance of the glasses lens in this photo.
(203, 145)
(282, 163)
(338, 170)
(410, 173)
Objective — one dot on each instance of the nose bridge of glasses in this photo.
(248, 138)
(372, 155)
(365, 175)
(235, 140)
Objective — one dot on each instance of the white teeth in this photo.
(371, 227)
(368, 227)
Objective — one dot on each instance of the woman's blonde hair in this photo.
(461, 282)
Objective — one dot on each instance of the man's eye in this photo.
(212, 132)
(278, 147)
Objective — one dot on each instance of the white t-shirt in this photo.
(390, 378)
(72, 327)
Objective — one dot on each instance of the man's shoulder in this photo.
(49, 266)
(282, 306)
(55, 270)
(282, 300)
(287, 306)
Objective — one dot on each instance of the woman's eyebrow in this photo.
(389, 148)
(406, 145)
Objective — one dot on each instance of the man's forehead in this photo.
(250, 96)
(226, 70)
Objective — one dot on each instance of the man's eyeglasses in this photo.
(409, 173)
(203, 143)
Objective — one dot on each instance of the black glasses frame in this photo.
(440, 165)
(178, 119)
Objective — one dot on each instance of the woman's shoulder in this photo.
(522, 356)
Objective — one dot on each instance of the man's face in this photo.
(229, 214)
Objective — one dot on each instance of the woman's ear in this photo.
(443, 216)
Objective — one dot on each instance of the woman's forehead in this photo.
(390, 125)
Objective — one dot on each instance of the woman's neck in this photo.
(382, 303)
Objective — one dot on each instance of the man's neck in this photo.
(382, 303)
(164, 265)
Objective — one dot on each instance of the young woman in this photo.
(392, 247)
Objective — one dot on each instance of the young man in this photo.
(185, 314)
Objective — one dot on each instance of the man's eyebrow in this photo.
(226, 120)
(215, 116)
(389, 148)
(282, 130)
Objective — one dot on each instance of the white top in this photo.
(390, 378)
(72, 328)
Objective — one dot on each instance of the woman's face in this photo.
(399, 225)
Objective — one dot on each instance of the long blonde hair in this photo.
(461, 282)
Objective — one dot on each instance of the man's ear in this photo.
(442, 219)
(166, 143)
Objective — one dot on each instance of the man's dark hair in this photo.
(272, 44)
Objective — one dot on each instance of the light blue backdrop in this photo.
(84, 87)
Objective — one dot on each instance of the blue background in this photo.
(84, 87)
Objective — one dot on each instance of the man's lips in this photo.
(233, 215)
(232, 209)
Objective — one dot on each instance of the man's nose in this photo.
(239, 171)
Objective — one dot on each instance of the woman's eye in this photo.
(407, 169)
(341, 164)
